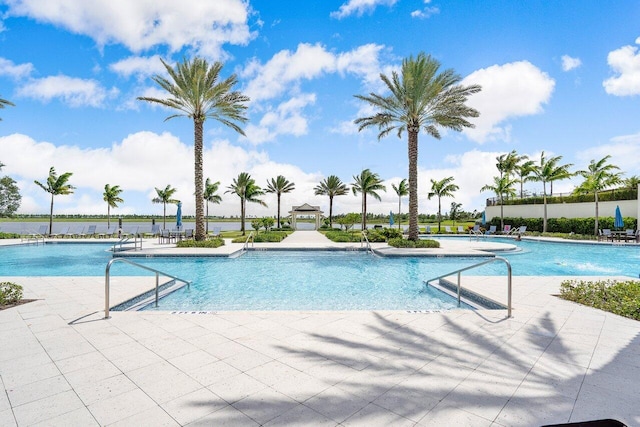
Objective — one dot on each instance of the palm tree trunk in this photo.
(596, 227)
(544, 194)
(501, 213)
(364, 210)
(242, 216)
(207, 205)
(330, 211)
(197, 151)
(108, 215)
(439, 214)
(278, 210)
(51, 216)
(413, 183)
(399, 208)
(164, 215)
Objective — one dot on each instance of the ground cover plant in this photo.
(622, 298)
(11, 295)
(405, 243)
(209, 243)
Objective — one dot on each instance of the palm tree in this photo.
(456, 208)
(421, 98)
(279, 186)
(195, 92)
(56, 186)
(597, 177)
(523, 171)
(401, 190)
(210, 196)
(503, 187)
(245, 187)
(548, 171)
(331, 186)
(111, 195)
(632, 182)
(367, 183)
(164, 197)
(4, 103)
(443, 188)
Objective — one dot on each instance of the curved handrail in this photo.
(366, 239)
(107, 278)
(246, 242)
(489, 261)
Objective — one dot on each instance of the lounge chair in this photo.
(131, 233)
(109, 233)
(216, 231)
(460, 229)
(447, 229)
(91, 231)
(427, 229)
(521, 230)
(506, 229)
(492, 230)
(64, 231)
(155, 231)
(76, 233)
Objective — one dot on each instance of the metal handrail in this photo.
(107, 280)
(34, 236)
(246, 242)
(364, 235)
(126, 241)
(478, 265)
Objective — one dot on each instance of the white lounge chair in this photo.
(507, 229)
(492, 230)
(215, 232)
(460, 229)
(447, 229)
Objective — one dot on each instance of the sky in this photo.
(561, 77)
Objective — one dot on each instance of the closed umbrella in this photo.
(618, 222)
(390, 219)
(179, 216)
(484, 218)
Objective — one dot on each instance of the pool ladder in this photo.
(107, 280)
(489, 261)
(363, 240)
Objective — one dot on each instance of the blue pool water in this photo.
(280, 280)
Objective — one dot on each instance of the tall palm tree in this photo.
(56, 186)
(367, 183)
(164, 197)
(523, 171)
(245, 187)
(632, 182)
(209, 195)
(111, 195)
(598, 176)
(279, 185)
(4, 103)
(401, 190)
(546, 172)
(196, 92)
(443, 188)
(503, 187)
(331, 186)
(421, 98)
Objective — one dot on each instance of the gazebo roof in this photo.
(305, 209)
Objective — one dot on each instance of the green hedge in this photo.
(10, 293)
(264, 237)
(9, 235)
(405, 243)
(564, 225)
(622, 298)
(606, 196)
(212, 243)
(343, 236)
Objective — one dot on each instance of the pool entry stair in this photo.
(147, 297)
(457, 287)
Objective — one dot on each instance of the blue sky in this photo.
(563, 77)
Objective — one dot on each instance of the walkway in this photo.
(553, 362)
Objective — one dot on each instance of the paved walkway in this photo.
(61, 364)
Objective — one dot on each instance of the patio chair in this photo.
(629, 235)
(188, 233)
(506, 229)
(164, 236)
(460, 229)
(605, 234)
(447, 229)
(215, 232)
(521, 230)
(109, 233)
(91, 231)
(492, 230)
(427, 229)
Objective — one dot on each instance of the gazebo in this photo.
(305, 210)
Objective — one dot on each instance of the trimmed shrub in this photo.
(10, 293)
(564, 225)
(343, 236)
(405, 243)
(9, 235)
(212, 243)
(622, 298)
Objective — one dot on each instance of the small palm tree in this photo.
(195, 92)
(546, 172)
(503, 188)
(279, 185)
(164, 197)
(443, 188)
(4, 103)
(598, 177)
(111, 195)
(456, 208)
(331, 186)
(56, 186)
(401, 190)
(632, 182)
(367, 183)
(210, 196)
(421, 98)
(523, 171)
(246, 189)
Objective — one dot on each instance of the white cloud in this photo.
(569, 63)
(287, 68)
(8, 68)
(141, 67)
(286, 119)
(359, 7)
(140, 25)
(509, 90)
(624, 151)
(625, 63)
(425, 13)
(72, 91)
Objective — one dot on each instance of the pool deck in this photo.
(552, 362)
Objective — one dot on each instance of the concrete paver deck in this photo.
(553, 362)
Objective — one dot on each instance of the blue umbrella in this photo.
(391, 218)
(618, 222)
(179, 215)
(484, 218)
